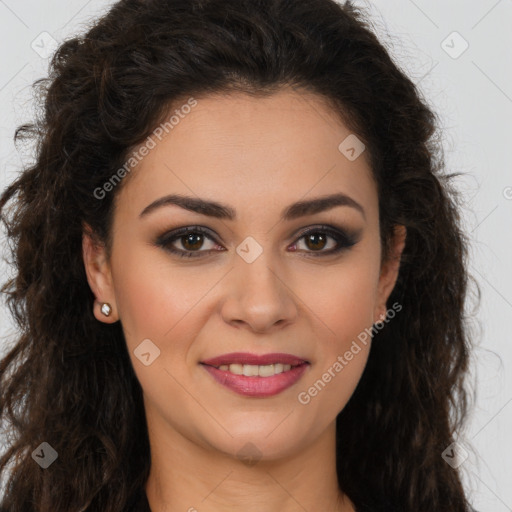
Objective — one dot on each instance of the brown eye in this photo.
(191, 239)
(316, 241)
(189, 242)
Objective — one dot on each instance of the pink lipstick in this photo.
(256, 375)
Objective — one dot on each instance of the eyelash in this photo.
(344, 240)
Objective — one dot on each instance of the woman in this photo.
(240, 274)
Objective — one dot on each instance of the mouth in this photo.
(250, 370)
(253, 365)
(256, 376)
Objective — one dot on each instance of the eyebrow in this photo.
(222, 211)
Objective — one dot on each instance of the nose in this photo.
(259, 295)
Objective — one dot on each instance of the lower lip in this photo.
(258, 387)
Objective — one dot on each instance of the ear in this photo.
(99, 275)
(389, 272)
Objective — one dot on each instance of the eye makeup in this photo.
(195, 235)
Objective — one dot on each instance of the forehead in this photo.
(254, 153)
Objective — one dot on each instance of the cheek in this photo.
(341, 302)
(342, 298)
(156, 301)
(342, 354)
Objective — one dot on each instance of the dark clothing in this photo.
(140, 504)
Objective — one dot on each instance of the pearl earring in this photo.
(106, 309)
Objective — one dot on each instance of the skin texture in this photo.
(257, 156)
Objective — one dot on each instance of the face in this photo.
(255, 275)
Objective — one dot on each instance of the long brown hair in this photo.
(68, 380)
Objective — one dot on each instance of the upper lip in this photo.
(254, 359)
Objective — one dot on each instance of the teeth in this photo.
(279, 368)
(250, 370)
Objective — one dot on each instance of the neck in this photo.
(187, 477)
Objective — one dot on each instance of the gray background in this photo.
(470, 88)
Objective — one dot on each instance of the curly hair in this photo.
(68, 380)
